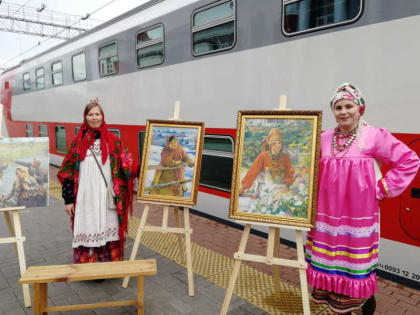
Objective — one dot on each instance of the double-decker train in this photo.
(218, 57)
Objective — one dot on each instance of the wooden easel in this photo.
(272, 254)
(186, 230)
(16, 236)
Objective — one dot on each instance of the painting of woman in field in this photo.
(274, 171)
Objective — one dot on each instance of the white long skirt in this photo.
(94, 223)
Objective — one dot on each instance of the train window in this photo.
(309, 15)
(76, 130)
(213, 27)
(29, 130)
(150, 47)
(78, 63)
(60, 139)
(221, 143)
(40, 78)
(57, 73)
(115, 131)
(217, 162)
(43, 130)
(108, 59)
(26, 81)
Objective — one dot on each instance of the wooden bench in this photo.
(40, 276)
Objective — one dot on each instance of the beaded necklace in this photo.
(337, 148)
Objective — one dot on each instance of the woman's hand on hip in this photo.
(69, 209)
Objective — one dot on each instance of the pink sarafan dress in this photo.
(342, 248)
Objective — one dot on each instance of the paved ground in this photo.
(49, 240)
(392, 298)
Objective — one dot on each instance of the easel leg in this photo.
(231, 286)
(188, 251)
(140, 231)
(270, 246)
(140, 296)
(236, 269)
(40, 298)
(276, 275)
(178, 225)
(10, 226)
(9, 223)
(165, 219)
(302, 273)
(21, 255)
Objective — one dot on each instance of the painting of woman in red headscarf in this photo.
(272, 161)
(171, 162)
(170, 177)
(274, 167)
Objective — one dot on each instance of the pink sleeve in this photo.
(403, 161)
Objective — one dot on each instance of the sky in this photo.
(13, 44)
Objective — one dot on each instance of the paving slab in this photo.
(48, 242)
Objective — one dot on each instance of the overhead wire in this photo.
(58, 33)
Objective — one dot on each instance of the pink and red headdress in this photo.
(349, 92)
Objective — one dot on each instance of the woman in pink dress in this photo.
(342, 248)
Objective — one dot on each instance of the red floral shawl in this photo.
(122, 171)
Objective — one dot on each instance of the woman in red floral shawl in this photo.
(97, 159)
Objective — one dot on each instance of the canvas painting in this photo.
(275, 167)
(171, 162)
(24, 165)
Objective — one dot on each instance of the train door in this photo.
(410, 203)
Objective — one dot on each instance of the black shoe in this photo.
(369, 307)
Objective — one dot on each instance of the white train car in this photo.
(218, 57)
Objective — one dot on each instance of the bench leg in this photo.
(40, 298)
(140, 296)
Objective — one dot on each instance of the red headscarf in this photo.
(86, 135)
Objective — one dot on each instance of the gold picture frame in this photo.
(171, 162)
(275, 167)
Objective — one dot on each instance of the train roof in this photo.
(151, 3)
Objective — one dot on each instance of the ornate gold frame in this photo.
(316, 117)
(163, 199)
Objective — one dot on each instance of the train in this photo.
(219, 56)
